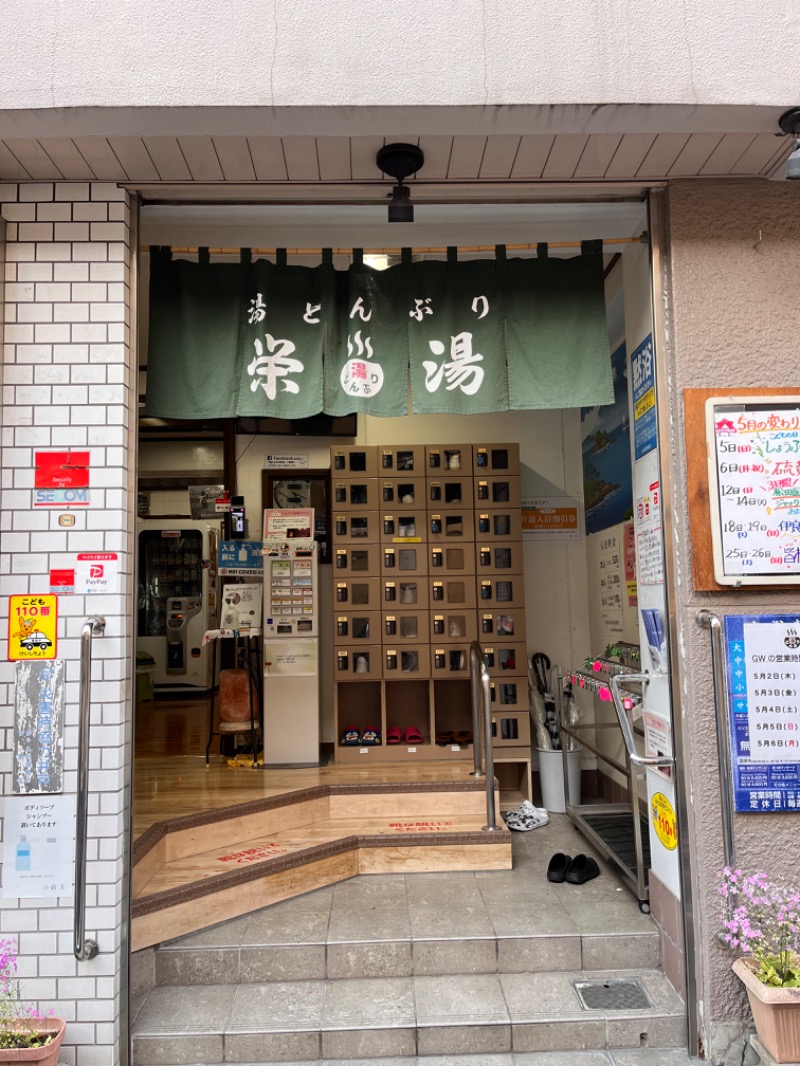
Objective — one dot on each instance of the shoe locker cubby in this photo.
(427, 558)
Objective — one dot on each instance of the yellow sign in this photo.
(644, 404)
(32, 627)
(662, 815)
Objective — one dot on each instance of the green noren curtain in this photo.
(267, 339)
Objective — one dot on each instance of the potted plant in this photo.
(761, 918)
(26, 1033)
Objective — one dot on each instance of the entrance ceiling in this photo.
(148, 161)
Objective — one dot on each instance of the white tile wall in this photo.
(66, 376)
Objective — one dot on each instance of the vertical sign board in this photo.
(753, 446)
(39, 727)
(763, 663)
(643, 380)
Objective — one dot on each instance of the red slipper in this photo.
(394, 735)
(413, 735)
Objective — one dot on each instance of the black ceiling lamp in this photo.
(400, 161)
(789, 122)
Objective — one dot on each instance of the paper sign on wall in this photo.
(550, 518)
(38, 846)
(285, 462)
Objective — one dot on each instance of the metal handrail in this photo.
(625, 725)
(707, 620)
(479, 673)
(84, 949)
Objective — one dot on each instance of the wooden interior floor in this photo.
(171, 778)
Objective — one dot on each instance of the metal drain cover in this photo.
(612, 994)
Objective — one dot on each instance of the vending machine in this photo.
(177, 600)
(291, 638)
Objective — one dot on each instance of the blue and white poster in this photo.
(643, 367)
(240, 558)
(607, 478)
(763, 664)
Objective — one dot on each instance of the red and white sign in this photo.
(61, 479)
(97, 572)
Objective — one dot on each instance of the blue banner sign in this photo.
(763, 664)
(643, 377)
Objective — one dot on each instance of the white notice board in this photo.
(753, 446)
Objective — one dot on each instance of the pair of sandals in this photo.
(575, 871)
(462, 737)
(526, 817)
(352, 737)
(409, 735)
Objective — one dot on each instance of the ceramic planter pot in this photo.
(42, 1056)
(776, 1013)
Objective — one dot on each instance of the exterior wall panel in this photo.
(66, 383)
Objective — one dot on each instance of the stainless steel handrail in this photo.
(625, 725)
(477, 669)
(84, 949)
(707, 620)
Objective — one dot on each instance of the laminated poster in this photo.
(290, 658)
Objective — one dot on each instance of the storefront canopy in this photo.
(257, 338)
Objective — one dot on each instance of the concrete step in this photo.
(258, 960)
(640, 1057)
(400, 1016)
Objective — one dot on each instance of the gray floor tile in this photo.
(437, 911)
(577, 1034)
(531, 995)
(377, 959)
(653, 1057)
(625, 952)
(280, 1005)
(349, 1043)
(270, 1047)
(455, 1040)
(653, 1031)
(185, 1050)
(303, 920)
(566, 1058)
(198, 966)
(380, 1003)
(197, 1008)
(369, 908)
(475, 999)
(226, 934)
(435, 957)
(533, 954)
(282, 962)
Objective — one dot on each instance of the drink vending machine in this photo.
(291, 638)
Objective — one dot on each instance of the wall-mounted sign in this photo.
(62, 582)
(645, 429)
(38, 846)
(240, 558)
(32, 625)
(274, 461)
(61, 479)
(288, 524)
(39, 727)
(664, 822)
(97, 572)
(291, 658)
(753, 446)
(763, 661)
(551, 518)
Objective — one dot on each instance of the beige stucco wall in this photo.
(734, 273)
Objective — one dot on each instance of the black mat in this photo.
(616, 831)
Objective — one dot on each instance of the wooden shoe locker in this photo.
(427, 552)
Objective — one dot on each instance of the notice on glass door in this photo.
(754, 481)
(611, 582)
(763, 663)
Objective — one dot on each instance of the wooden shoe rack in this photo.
(427, 557)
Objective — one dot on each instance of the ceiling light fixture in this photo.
(400, 161)
(789, 122)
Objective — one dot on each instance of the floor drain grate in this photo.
(612, 995)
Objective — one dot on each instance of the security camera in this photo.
(789, 122)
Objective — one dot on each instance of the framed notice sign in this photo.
(753, 447)
(763, 661)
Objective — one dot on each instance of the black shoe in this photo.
(557, 870)
(582, 869)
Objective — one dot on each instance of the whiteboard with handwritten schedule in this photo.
(753, 446)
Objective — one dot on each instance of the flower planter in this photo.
(43, 1056)
(776, 1013)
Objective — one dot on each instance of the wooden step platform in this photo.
(194, 871)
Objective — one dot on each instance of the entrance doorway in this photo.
(588, 484)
